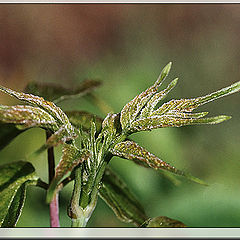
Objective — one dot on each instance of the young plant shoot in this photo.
(88, 145)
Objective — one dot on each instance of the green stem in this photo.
(79, 222)
(98, 179)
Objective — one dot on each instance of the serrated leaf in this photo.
(14, 178)
(56, 112)
(132, 151)
(71, 157)
(120, 199)
(83, 119)
(177, 113)
(164, 222)
(154, 122)
(57, 93)
(27, 117)
(133, 108)
(7, 133)
(140, 115)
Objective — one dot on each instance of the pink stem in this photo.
(54, 212)
(54, 208)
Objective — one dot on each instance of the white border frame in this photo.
(178, 233)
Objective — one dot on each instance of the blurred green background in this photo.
(126, 46)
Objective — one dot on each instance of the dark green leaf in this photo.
(124, 204)
(16, 207)
(14, 178)
(83, 119)
(132, 151)
(71, 157)
(164, 222)
(7, 133)
(56, 93)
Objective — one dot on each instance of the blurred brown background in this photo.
(126, 46)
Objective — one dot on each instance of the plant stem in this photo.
(79, 222)
(54, 212)
(51, 160)
(53, 208)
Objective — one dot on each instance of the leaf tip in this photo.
(221, 118)
(195, 179)
(167, 69)
(163, 74)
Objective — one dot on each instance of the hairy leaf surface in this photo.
(14, 178)
(140, 114)
(61, 120)
(71, 157)
(27, 117)
(120, 199)
(133, 108)
(132, 151)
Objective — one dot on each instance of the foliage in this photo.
(88, 144)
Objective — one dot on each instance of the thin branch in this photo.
(51, 160)
(54, 208)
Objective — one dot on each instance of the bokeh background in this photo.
(126, 46)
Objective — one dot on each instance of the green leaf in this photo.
(133, 108)
(140, 114)
(164, 222)
(83, 119)
(157, 98)
(71, 157)
(56, 93)
(16, 207)
(120, 199)
(111, 124)
(169, 121)
(61, 120)
(14, 178)
(27, 117)
(7, 133)
(132, 151)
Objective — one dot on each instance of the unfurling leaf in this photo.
(27, 117)
(164, 222)
(169, 121)
(56, 93)
(14, 178)
(133, 108)
(140, 114)
(132, 151)
(83, 119)
(71, 157)
(120, 199)
(111, 124)
(45, 109)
